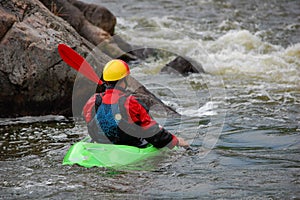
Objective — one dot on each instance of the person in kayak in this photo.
(119, 118)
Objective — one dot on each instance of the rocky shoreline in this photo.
(34, 80)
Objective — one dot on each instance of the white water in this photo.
(245, 112)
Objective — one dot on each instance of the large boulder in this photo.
(33, 78)
(96, 24)
(97, 15)
(75, 16)
(93, 22)
(183, 65)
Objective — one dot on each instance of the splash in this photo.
(208, 109)
(246, 55)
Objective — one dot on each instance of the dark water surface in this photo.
(243, 117)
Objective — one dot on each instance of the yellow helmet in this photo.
(115, 70)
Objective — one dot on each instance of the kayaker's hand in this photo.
(182, 143)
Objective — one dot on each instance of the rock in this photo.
(112, 50)
(33, 78)
(183, 66)
(138, 52)
(97, 15)
(6, 21)
(75, 17)
(93, 22)
(96, 24)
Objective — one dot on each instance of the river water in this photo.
(243, 116)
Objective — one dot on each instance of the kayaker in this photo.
(119, 118)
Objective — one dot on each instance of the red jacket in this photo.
(137, 114)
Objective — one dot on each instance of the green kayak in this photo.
(87, 154)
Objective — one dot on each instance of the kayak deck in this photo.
(87, 154)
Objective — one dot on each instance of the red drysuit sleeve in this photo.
(140, 116)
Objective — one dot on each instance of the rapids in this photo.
(243, 115)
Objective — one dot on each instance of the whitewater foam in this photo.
(208, 109)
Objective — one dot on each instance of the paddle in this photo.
(77, 62)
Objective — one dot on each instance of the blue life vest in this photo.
(105, 127)
(108, 117)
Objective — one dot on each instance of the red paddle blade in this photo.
(77, 62)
